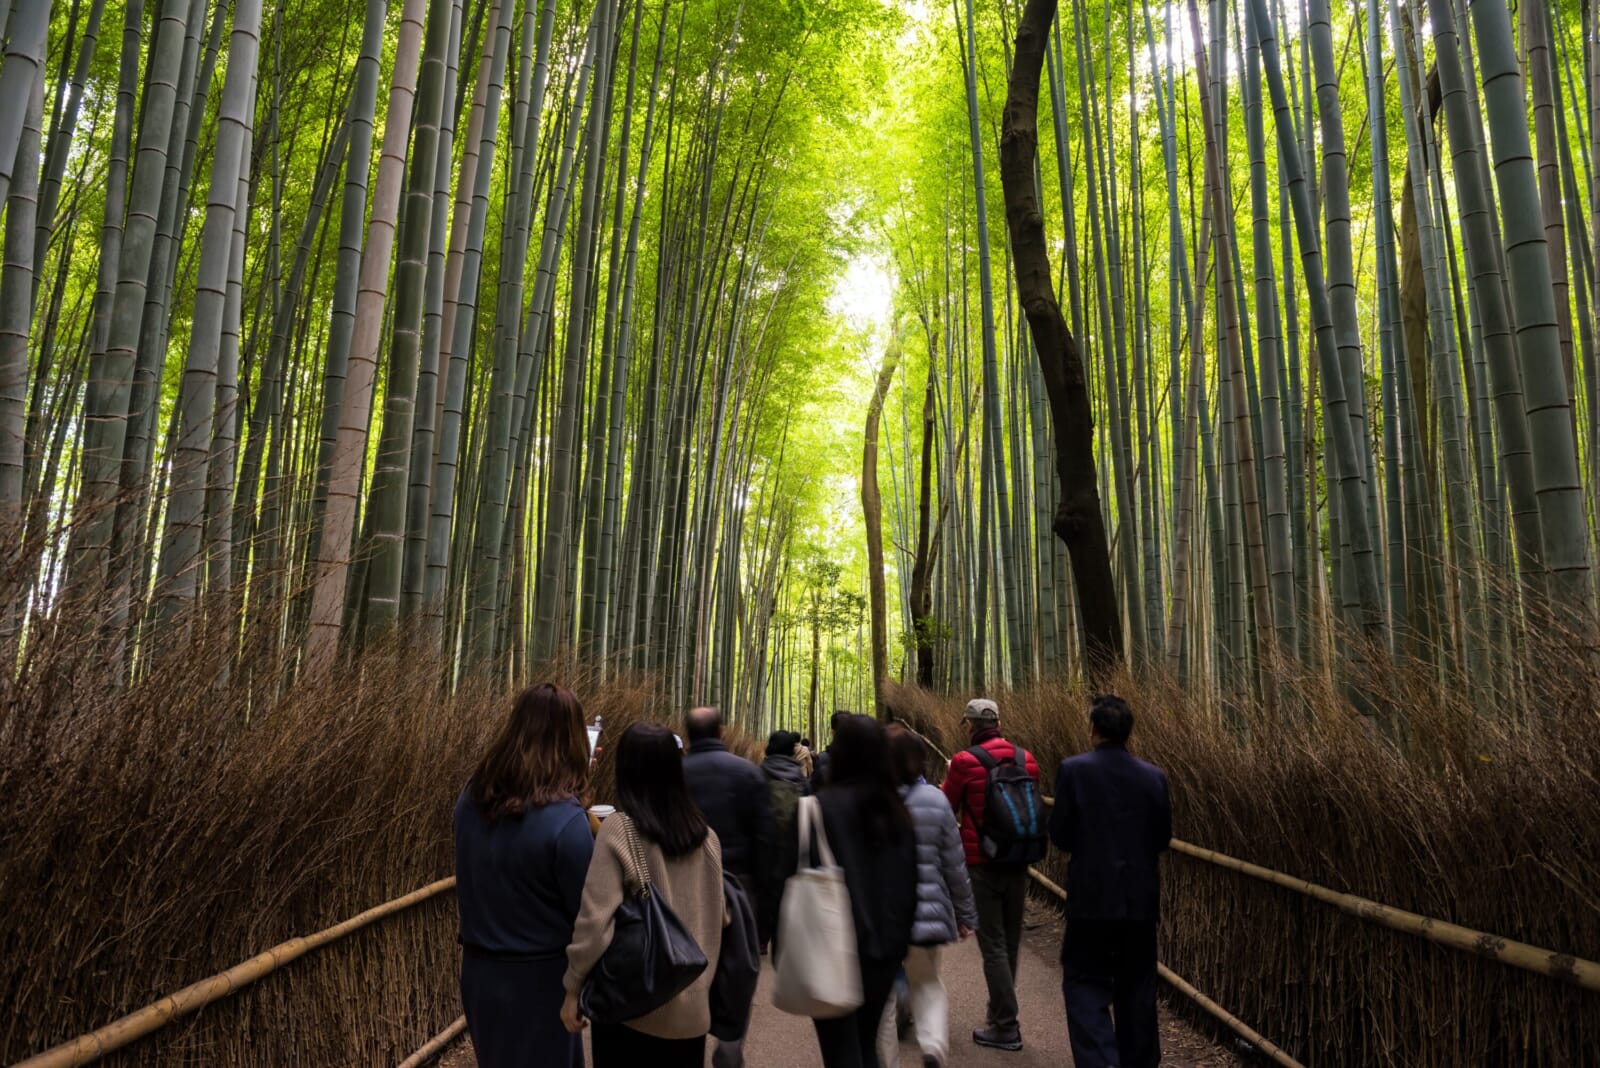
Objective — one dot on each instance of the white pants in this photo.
(930, 1010)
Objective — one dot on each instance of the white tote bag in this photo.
(818, 973)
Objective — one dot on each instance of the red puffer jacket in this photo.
(965, 785)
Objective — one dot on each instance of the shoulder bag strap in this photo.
(637, 861)
(811, 809)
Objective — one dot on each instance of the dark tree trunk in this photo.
(1078, 520)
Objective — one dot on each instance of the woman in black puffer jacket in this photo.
(870, 832)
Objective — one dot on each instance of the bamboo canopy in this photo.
(88, 1048)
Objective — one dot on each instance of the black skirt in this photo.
(513, 1010)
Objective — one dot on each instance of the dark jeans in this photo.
(852, 1041)
(1000, 894)
(620, 1046)
(1109, 967)
(513, 1012)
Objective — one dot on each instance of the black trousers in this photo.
(620, 1046)
(852, 1041)
(1108, 978)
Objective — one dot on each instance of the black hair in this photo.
(652, 791)
(806, 742)
(838, 717)
(782, 743)
(861, 760)
(907, 754)
(702, 723)
(1111, 718)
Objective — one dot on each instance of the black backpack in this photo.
(1013, 830)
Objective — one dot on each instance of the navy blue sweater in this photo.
(519, 880)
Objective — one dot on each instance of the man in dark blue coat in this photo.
(733, 795)
(1113, 816)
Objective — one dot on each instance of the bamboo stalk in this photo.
(435, 1045)
(113, 1036)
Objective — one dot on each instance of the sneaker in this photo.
(1006, 1038)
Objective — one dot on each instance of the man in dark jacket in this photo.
(1000, 889)
(787, 783)
(732, 793)
(822, 763)
(1113, 815)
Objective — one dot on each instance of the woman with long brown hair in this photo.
(523, 847)
(684, 860)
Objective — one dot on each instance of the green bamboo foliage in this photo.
(567, 376)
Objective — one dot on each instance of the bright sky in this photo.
(863, 293)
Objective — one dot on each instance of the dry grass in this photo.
(1492, 826)
(156, 834)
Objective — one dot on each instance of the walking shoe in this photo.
(1006, 1038)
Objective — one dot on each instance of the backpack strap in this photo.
(1019, 757)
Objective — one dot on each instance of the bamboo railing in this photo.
(1183, 986)
(435, 1045)
(1564, 966)
(96, 1044)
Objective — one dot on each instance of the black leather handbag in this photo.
(652, 957)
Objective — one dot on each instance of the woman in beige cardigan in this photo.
(685, 862)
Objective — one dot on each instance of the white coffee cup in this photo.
(600, 812)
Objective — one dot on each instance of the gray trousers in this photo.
(1000, 894)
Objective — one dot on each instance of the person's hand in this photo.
(963, 933)
(571, 1018)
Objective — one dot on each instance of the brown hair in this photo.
(907, 755)
(540, 757)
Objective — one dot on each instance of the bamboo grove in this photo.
(1331, 273)
(471, 318)
(508, 328)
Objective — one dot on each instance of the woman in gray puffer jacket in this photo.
(945, 910)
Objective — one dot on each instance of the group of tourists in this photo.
(646, 922)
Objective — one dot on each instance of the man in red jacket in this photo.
(998, 888)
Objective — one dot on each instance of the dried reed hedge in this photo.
(154, 835)
(1482, 822)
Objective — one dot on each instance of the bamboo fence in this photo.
(113, 1036)
(1564, 966)
(1183, 986)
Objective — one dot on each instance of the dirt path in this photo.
(778, 1040)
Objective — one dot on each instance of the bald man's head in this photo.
(703, 723)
